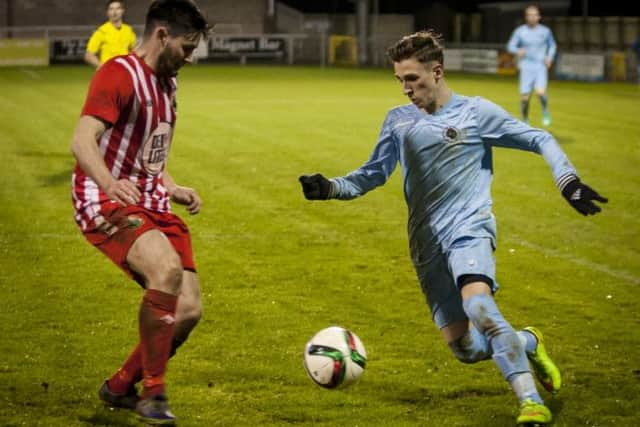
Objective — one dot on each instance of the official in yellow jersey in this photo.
(113, 38)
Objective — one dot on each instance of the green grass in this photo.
(275, 268)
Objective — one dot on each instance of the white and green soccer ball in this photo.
(335, 357)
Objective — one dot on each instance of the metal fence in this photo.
(610, 33)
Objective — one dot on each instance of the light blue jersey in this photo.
(446, 161)
(537, 42)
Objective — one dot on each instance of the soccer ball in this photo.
(335, 357)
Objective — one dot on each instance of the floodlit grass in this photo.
(275, 268)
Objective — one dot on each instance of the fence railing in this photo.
(594, 33)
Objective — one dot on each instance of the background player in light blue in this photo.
(443, 142)
(535, 47)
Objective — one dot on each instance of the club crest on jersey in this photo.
(134, 221)
(156, 148)
(451, 135)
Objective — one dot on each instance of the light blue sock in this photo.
(529, 341)
(525, 388)
(508, 351)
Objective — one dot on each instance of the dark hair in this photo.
(114, 1)
(180, 16)
(425, 46)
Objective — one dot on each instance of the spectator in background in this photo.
(535, 48)
(113, 38)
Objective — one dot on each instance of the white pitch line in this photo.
(31, 73)
(56, 236)
(595, 266)
(601, 268)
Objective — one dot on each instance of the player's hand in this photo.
(316, 187)
(124, 192)
(188, 197)
(521, 52)
(547, 63)
(581, 197)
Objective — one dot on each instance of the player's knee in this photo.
(462, 353)
(467, 350)
(174, 277)
(168, 274)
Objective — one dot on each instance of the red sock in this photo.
(157, 321)
(129, 374)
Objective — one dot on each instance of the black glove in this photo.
(316, 187)
(581, 197)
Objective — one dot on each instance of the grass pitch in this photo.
(275, 268)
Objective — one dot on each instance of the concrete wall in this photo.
(288, 19)
(385, 24)
(248, 13)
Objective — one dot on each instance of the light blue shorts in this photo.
(439, 278)
(533, 78)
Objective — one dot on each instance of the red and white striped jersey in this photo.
(141, 109)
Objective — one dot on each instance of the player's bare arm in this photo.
(92, 59)
(88, 130)
(181, 195)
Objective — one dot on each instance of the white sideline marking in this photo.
(601, 268)
(31, 73)
(286, 102)
(16, 237)
(595, 266)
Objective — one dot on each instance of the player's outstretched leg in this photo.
(508, 354)
(154, 258)
(546, 371)
(119, 391)
(157, 322)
